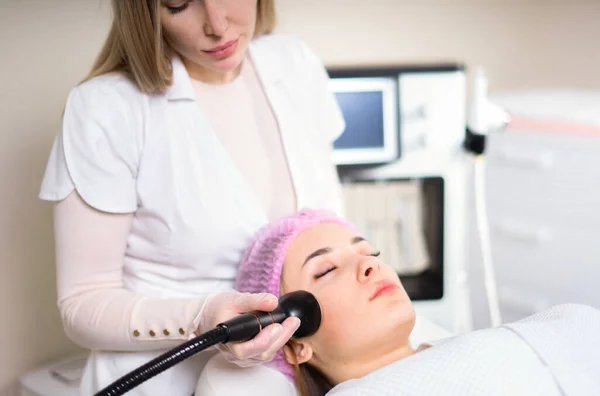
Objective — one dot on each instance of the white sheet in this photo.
(555, 352)
(220, 377)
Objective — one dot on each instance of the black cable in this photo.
(299, 303)
(165, 361)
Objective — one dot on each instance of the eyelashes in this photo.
(322, 274)
(176, 10)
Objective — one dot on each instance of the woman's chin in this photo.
(209, 69)
(226, 65)
(394, 319)
(403, 315)
(393, 301)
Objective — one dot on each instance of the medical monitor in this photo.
(370, 109)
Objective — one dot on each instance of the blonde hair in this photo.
(137, 47)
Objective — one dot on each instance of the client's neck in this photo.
(367, 364)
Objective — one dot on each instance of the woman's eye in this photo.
(178, 9)
(375, 254)
(322, 274)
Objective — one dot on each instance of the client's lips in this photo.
(383, 287)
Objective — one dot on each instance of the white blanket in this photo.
(554, 352)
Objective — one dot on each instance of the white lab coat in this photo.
(124, 151)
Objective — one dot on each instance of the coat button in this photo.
(166, 332)
(181, 331)
(136, 333)
(152, 333)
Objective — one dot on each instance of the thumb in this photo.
(256, 302)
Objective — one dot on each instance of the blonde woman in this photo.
(195, 127)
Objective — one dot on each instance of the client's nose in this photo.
(367, 267)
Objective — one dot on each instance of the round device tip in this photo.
(303, 305)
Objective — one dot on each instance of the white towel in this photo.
(552, 353)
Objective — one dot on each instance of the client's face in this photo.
(366, 311)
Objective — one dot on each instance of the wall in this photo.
(521, 43)
(47, 46)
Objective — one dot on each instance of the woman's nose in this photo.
(367, 267)
(216, 18)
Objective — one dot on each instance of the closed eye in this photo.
(322, 274)
(178, 9)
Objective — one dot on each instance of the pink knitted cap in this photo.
(262, 262)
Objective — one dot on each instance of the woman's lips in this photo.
(223, 51)
(383, 288)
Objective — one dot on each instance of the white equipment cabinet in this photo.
(543, 201)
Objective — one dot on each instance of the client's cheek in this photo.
(337, 321)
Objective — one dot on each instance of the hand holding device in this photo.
(241, 328)
(251, 350)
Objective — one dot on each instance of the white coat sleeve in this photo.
(92, 173)
(96, 151)
(97, 312)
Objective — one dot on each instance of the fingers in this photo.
(230, 305)
(259, 344)
(289, 327)
(256, 302)
(265, 345)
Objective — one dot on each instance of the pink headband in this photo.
(262, 262)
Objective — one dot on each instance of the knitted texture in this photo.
(262, 262)
(555, 352)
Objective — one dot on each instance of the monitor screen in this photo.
(363, 113)
(370, 110)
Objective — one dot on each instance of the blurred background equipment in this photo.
(412, 206)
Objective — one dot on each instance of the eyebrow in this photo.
(323, 251)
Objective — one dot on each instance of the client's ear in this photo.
(297, 352)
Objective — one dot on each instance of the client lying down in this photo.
(362, 346)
